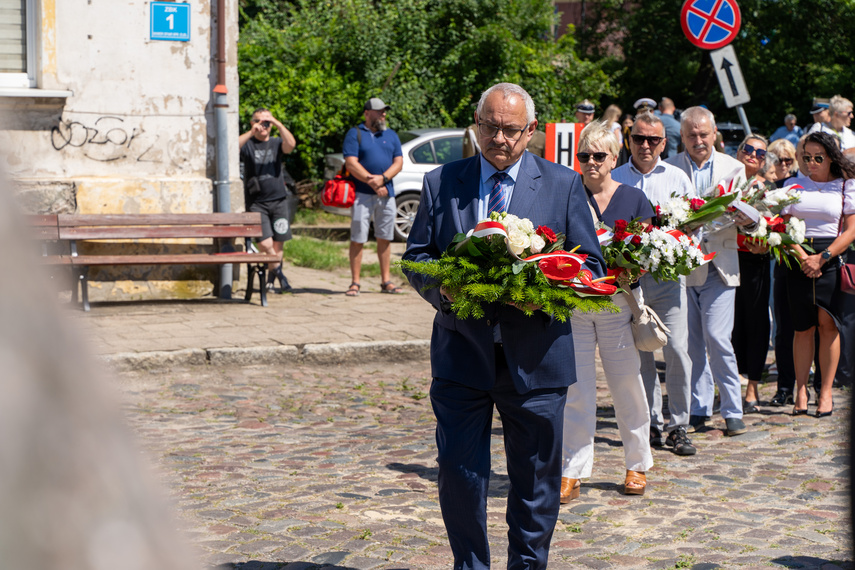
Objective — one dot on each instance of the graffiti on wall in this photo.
(110, 138)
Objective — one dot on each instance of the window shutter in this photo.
(13, 36)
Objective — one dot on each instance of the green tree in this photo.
(314, 63)
(790, 51)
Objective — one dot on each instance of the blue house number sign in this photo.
(170, 21)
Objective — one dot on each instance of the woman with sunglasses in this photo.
(752, 153)
(609, 201)
(751, 325)
(780, 161)
(827, 207)
(782, 154)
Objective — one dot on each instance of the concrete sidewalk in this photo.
(315, 316)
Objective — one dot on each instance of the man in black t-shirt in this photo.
(264, 183)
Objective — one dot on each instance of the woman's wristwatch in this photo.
(825, 255)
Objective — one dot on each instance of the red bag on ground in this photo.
(339, 192)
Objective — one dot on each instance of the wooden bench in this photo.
(71, 229)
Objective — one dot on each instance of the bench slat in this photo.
(77, 220)
(180, 259)
(133, 232)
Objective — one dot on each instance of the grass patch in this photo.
(310, 217)
(315, 254)
(373, 270)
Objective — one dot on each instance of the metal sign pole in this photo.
(743, 119)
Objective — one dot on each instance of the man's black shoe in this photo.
(735, 426)
(697, 422)
(781, 398)
(656, 437)
(680, 442)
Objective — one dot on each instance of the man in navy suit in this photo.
(522, 365)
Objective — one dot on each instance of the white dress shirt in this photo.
(658, 184)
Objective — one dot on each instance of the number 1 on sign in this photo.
(171, 19)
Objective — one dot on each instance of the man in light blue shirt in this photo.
(711, 288)
(790, 131)
(658, 180)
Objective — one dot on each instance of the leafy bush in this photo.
(314, 64)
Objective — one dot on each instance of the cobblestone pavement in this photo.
(334, 467)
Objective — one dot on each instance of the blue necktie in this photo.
(497, 194)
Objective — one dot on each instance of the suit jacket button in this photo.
(489, 324)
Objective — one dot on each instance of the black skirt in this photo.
(806, 295)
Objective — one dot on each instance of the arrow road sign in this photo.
(710, 24)
(730, 76)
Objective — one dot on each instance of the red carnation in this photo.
(547, 234)
(696, 203)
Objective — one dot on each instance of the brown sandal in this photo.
(570, 489)
(353, 290)
(634, 478)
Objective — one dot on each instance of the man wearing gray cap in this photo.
(372, 155)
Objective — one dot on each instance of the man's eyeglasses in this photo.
(491, 131)
(786, 161)
(817, 159)
(760, 152)
(652, 141)
(584, 157)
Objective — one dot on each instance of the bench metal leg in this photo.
(81, 277)
(250, 277)
(262, 283)
(259, 269)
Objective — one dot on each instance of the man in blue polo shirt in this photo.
(372, 155)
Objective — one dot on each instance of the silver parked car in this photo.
(423, 150)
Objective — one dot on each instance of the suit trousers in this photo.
(613, 334)
(531, 426)
(713, 359)
(668, 300)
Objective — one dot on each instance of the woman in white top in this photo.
(827, 207)
(611, 118)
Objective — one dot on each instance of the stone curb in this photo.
(324, 354)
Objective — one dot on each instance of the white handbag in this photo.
(648, 330)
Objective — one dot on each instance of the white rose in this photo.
(537, 243)
(518, 242)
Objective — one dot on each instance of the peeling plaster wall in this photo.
(138, 133)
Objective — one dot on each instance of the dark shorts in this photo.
(276, 216)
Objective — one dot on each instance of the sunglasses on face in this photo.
(651, 141)
(748, 149)
(817, 159)
(785, 161)
(584, 157)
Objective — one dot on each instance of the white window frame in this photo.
(25, 80)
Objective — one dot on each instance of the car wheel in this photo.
(405, 212)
